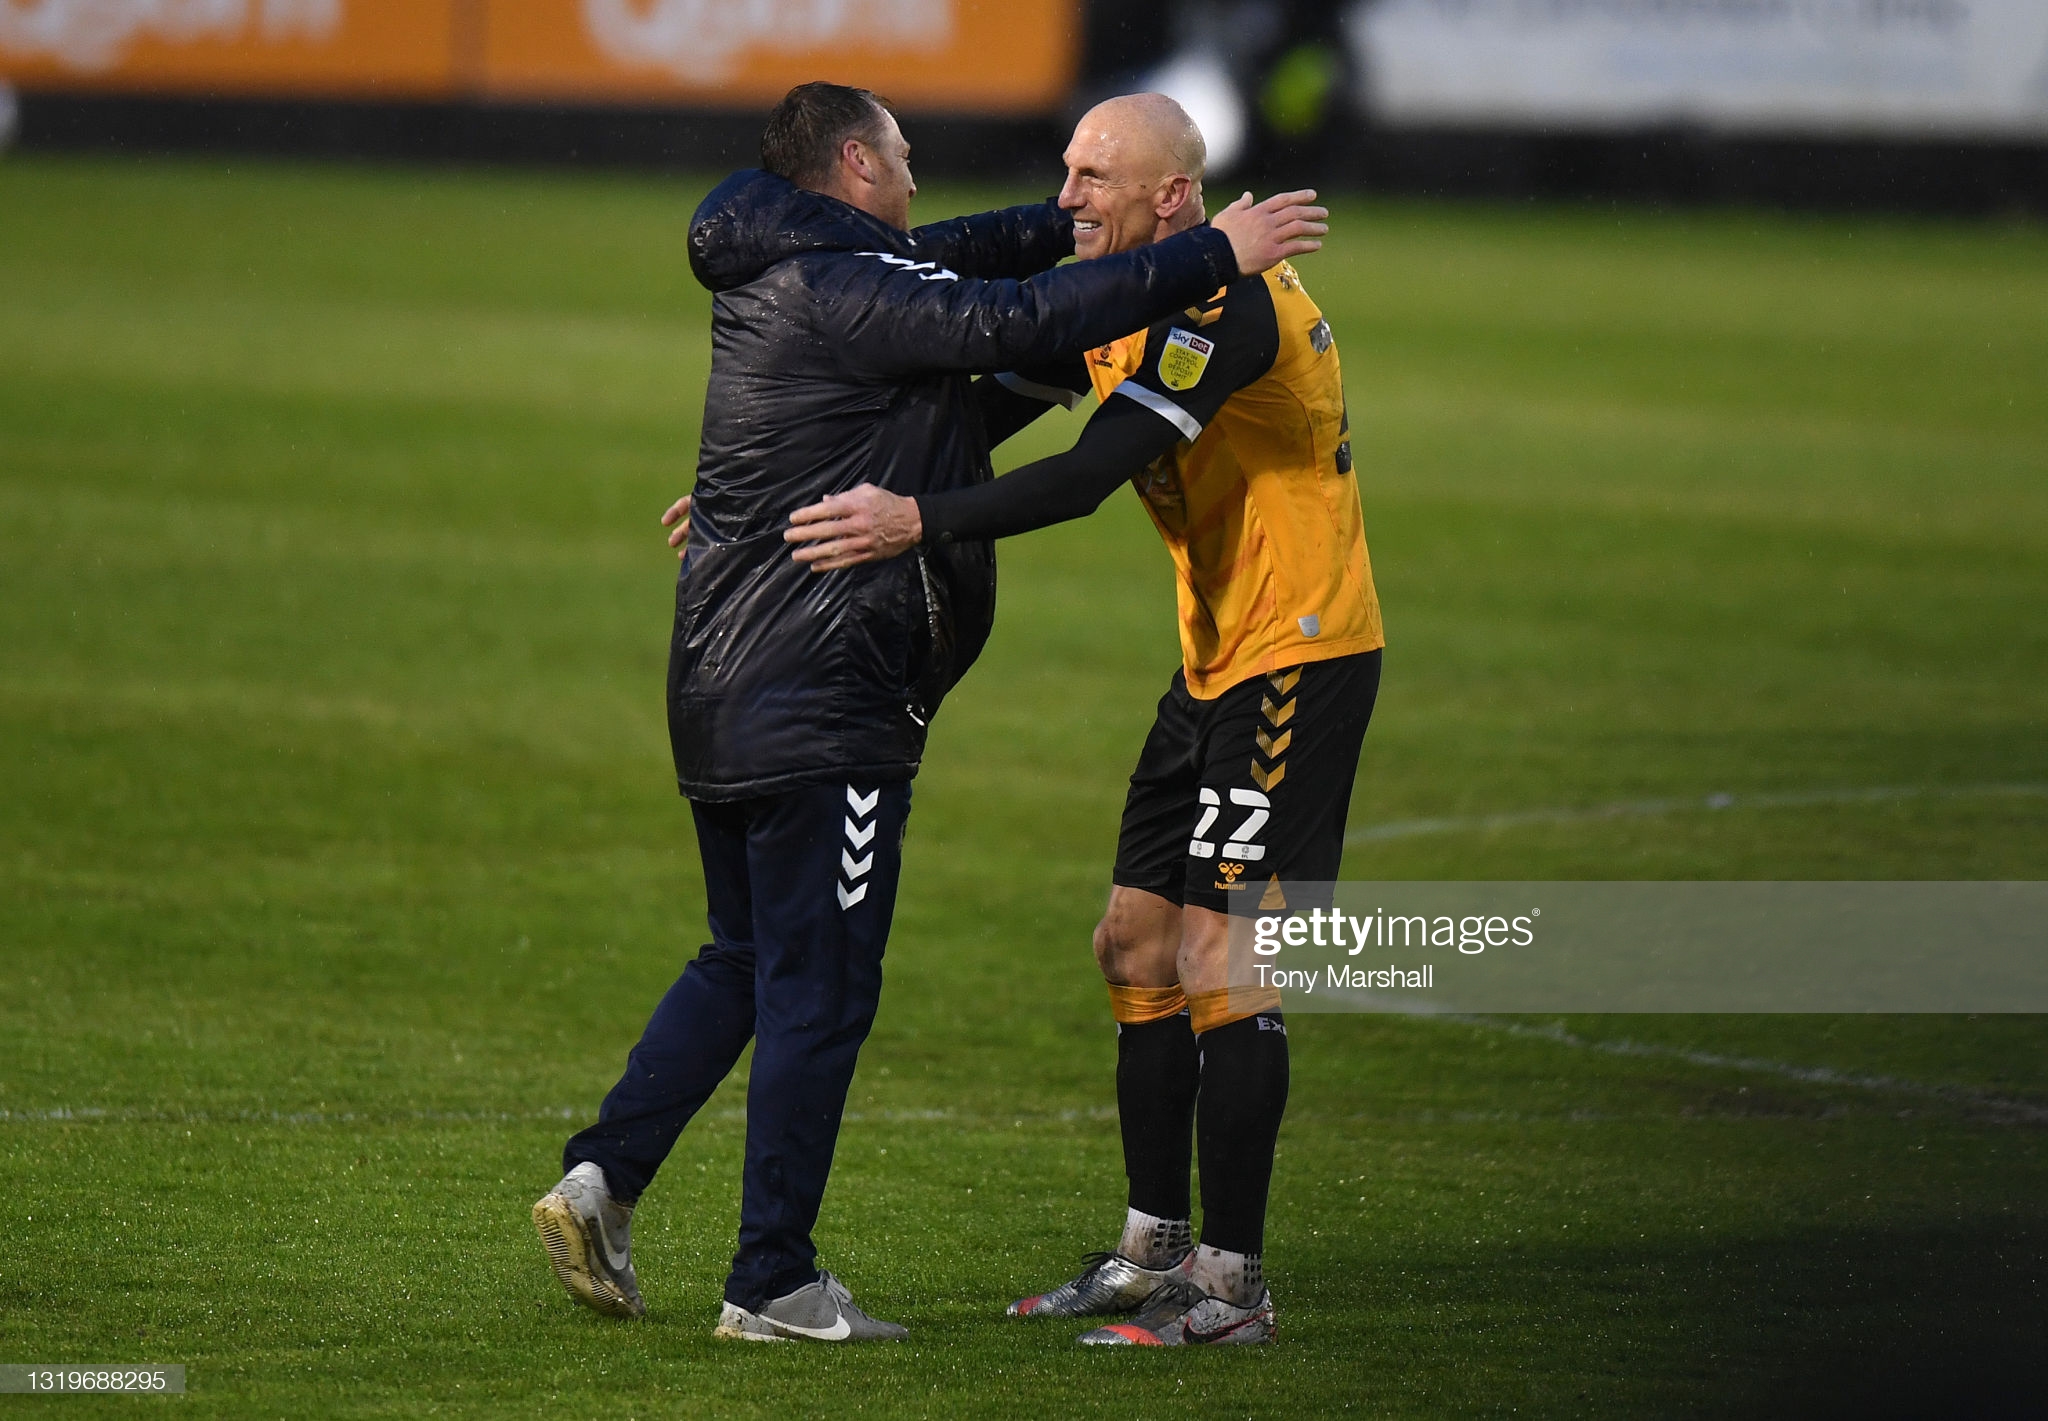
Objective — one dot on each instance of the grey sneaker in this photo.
(1110, 1284)
(586, 1233)
(819, 1312)
(1182, 1315)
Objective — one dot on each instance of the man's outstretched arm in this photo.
(1008, 403)
(887, 316)
(869, 524)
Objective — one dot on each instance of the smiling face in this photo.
(1133, 175)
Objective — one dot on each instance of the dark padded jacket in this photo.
(842, 353)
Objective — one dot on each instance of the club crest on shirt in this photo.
(1183, 360)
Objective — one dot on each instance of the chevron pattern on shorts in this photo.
(1278, 708)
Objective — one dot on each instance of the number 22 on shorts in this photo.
(1240, 845)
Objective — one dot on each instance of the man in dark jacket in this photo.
(842, 346)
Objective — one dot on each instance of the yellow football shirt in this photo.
(1258, 503)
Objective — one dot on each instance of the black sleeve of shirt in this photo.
(1013, 399)
(1191, 367)
(1120, 440)
(1004, 411)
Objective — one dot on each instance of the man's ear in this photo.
(1179, 191)
(856, 160)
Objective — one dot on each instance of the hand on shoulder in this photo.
(1264, 234)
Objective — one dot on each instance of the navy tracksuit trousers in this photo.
(801, 888)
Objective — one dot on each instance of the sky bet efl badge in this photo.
(1185, 358)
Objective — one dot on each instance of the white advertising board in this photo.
(1890, 67)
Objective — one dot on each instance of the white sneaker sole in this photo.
(569, 1254)
(736, 1324)
(741, 1334)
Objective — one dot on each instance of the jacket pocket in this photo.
(878, 627)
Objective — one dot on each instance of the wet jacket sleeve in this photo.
(1120, 440)
(888, 316)
(1014, 242)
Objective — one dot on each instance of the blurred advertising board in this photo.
(1975, 68)
(955, 55)
(401, 48)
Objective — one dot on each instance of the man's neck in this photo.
(1190, 215)
(848, 194)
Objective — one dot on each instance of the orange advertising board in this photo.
(986, 56)
(1005, 56)
(357, 48)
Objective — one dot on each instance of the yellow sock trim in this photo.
(1134, 1006)
(1221, 1007)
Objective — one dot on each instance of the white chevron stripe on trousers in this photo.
(858, 835)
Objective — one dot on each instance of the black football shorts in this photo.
(1254, 785)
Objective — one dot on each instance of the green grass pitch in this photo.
(340, 860)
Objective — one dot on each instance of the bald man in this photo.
(1229, 420)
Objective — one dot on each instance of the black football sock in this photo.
(1157, 1075)
(1243, 1096)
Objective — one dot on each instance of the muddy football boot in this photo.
(586, 1234)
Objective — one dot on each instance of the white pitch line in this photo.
(150, 1115)
(1654, 808)
(146, 1115)
(2002, 1108)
